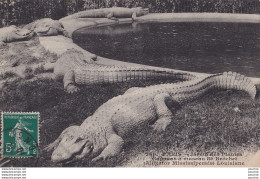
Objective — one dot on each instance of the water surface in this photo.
(200, 47)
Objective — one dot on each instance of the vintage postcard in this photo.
(130, 83)
(20, 134)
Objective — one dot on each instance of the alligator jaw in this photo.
(68, 154)
(76, 157)
(43, 32)
(56, 158)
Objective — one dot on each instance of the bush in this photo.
(25, 11)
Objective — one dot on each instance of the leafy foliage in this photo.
(25, 11)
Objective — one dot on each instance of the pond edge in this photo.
(60, 44)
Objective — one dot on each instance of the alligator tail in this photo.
(189, 90)
(236, 81)
(94, 13)
(114, 74)
(143, 74)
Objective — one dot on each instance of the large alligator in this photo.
(110, 13)
(47, 27)
(75, 68)
(101, 135)
(13, 33)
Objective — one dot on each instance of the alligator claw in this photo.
(49, 147)
(66, 34)
(72, 89)
(98, 158)
(161, 124)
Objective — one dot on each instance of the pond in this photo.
(192, 46)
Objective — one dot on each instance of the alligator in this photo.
(101, 135)
(13, 33)
(110, 13)
(47, 27)
(75, 68)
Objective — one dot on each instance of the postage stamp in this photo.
(130, 86)
(20, 134)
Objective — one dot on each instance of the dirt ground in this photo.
(226, 121)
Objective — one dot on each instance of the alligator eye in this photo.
(78, 139)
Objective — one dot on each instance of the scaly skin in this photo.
(47, 27)
(75, 69)
(13, 33)
(110, 13)
(101, 135)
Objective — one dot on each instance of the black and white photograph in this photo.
(130, 83)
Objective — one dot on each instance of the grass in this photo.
(204, 125)
(207, 124)
(7, 74)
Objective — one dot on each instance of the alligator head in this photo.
(13, 33)
(75, 143)
(48, 27)
(141, 11)
(72, 144)
(46, 30)
(24, 33)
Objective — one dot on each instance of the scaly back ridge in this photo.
(233, 80)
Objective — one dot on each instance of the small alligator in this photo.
(101, 135)
(110, 13)
(46, 27)
(75, 68)
(13, 33)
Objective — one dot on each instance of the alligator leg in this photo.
(111, 16)
(163, 112)
(69, 82)
(134, 16)
(114, 147)
(48, 66)
(64, 32)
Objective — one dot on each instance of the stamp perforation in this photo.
(2, 135)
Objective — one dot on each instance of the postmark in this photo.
(20, 134)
